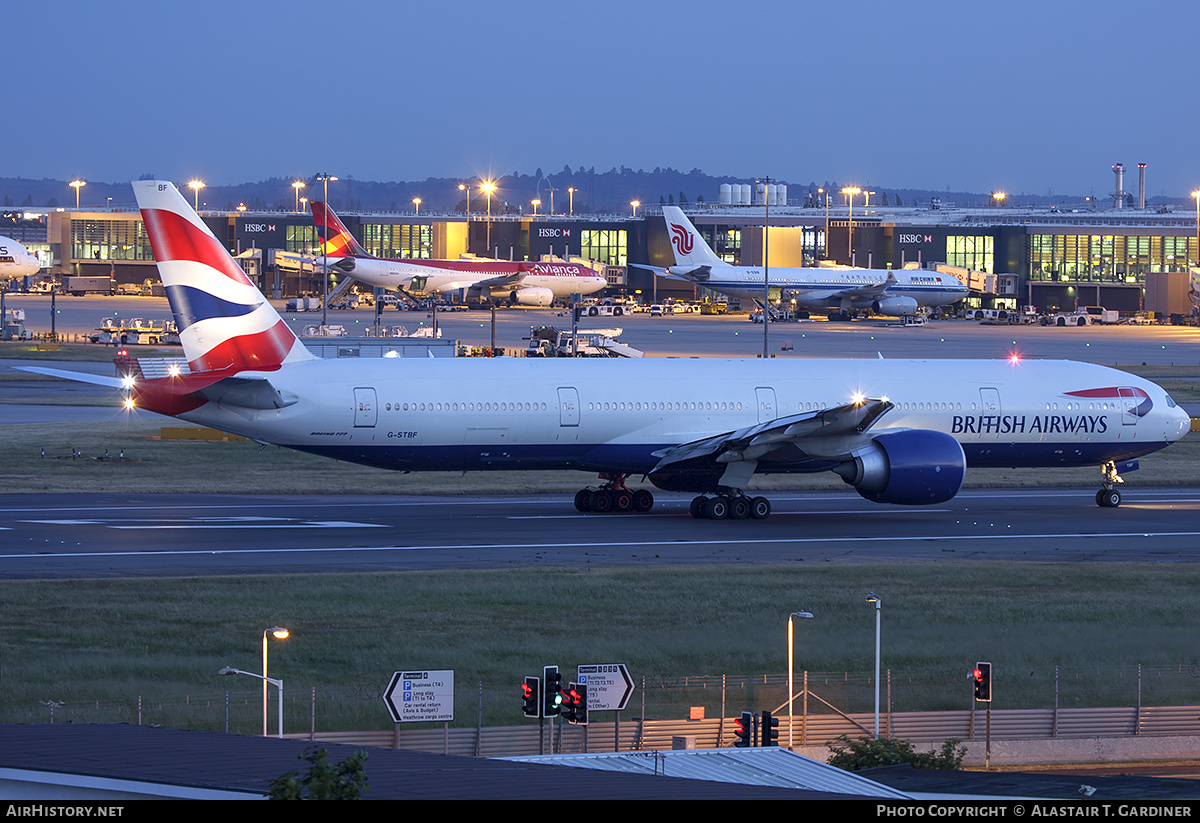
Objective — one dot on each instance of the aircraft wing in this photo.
(869, 291)
(501, 282)
(692, 274)
(829, 434)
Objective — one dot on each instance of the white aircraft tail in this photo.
(225, 323)
(690, 248)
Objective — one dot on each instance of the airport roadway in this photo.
(106, 535)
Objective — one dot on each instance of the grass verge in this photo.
(99, 648)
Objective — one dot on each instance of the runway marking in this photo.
(217, 523)
(596, 545)
(610, 516)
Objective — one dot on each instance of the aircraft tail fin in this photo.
(340, 242)
(689, 247)
(225, 323)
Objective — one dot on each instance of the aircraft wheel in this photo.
(583, 500)
(716, 508)
(1108, 498)
(760, 508)
(643, 501)
(739, 508)
(622, 501)
(697, 507)
(602, 501)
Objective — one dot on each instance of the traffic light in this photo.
(742, 730)
(768, 730)
(581, 707)
(531, 697)
(983, 682)
(552, 693)
(574, 708)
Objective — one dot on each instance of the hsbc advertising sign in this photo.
(557, 238)
(261, 233)
(913, 239)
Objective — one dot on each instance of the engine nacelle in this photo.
(895, 306)
(532, 296)
(910, 468)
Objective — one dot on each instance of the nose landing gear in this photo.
(1109, 496)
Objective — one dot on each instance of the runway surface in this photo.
(106, 535)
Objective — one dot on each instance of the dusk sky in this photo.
(1023, 96)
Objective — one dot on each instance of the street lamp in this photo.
(571, 200)
(279, 633)
(324, 178)
(871, 598)
(791, 690)
(297, 185)
(77, 185)
(417, 203)
(851, 191)
(535, 203)
(635, 204)
(229, 670)
(998, 198)
(195, 186)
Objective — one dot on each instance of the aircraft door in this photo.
(1129, 406)
(990, 400)
(364, 408)
(766, 404)
(568, 406)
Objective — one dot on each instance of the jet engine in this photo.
(895, 306)
(532, 296)
(910, 468)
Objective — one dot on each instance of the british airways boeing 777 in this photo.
(898, 431)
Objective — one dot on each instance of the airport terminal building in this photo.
(1126, 259)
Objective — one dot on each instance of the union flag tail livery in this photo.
(339, 242)
(225, 323)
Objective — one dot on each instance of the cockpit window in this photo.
(1170, 402)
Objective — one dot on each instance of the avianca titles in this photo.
(898, 431)
(517, 283)
(843, 291)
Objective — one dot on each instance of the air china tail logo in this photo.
(1138, 402)
(682, 238)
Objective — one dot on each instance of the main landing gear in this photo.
(732, 506)
(1109, 496)
(613, 496)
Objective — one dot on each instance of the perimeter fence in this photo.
(929, 705)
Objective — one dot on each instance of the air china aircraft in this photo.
(16, 260)
(841, 291)
(520, 284)
(898, 431)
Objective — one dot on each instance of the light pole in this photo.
(417, 204)
(998, 198)
(77, 185)
(535, 202)
(487, 188)
(851, 191)
(571, 199)
(297, 185)
(1196, 194)
(463, 187)
(324, 178)
(279, 633)
(766, 181)
(195, 186)
(871, 598)
(791, 667)
(635, 204)
(229, 670)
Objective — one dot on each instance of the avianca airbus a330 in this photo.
(841, 291)
(519, 284)
(898, 431)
